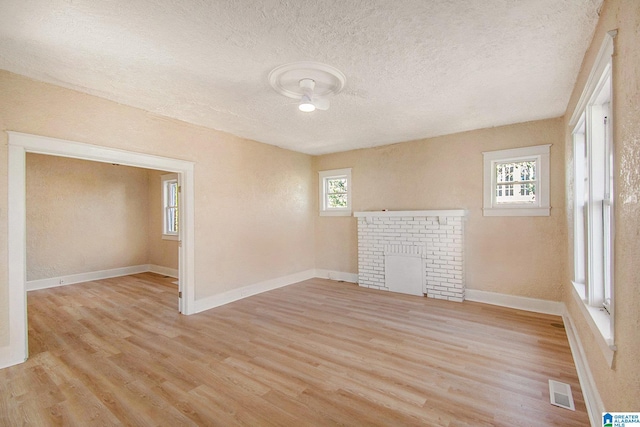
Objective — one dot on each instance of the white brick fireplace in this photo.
(414, 252)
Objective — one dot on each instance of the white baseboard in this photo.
(250, 290)
(512, 301)
(254, 289)
(165, 271)
(10, 357)
(337, 275)
(71, 279)
(592, 399)
(257, 288)
(85, 277)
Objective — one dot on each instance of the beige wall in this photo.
(619, 387)
(513, 255)
(88, 216)
(160, 251)
(84, 216)
(253, 202)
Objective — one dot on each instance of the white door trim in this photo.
(19, 145)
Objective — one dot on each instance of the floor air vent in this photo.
(560, 394)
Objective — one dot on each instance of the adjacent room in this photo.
(85, 217)
(319, 213)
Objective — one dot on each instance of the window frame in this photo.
(166, 180)
(323, 178)
(491, 159)
(587, 244)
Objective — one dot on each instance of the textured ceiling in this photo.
(414, 68)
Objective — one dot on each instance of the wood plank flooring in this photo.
(116, 352)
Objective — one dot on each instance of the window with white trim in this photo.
(593, 181)
(335, 192)
(516, 182)
(170, 206)
(593, 199)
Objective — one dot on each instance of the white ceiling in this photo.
(414, 68)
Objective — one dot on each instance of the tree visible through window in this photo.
(335, 192)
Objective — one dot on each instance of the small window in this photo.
(516, 182)
(170, 204)
(335, 192)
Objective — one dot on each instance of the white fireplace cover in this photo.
(404, 268)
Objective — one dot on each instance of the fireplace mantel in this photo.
(431, 212)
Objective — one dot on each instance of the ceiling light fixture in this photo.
(312, 83)
(306, 105)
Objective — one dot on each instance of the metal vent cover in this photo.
(560, 395)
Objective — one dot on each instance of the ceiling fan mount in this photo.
(312, 83)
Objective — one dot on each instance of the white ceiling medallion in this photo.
(310, 82)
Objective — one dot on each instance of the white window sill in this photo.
(338, 212)
(599, 322)
(170, 237)
(516, 211)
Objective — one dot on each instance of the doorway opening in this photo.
(19, 145)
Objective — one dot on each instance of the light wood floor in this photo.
(116, 352)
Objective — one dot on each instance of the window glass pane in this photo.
(172, 220)
(173, 194)
(504, 172)
(334, 191)
(176, 217)
(521, 177)
(336, 185)
(516, 171)
(528, 189)
(171, 210)
(336, 201)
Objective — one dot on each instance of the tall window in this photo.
(593, 203)
(516, 182)
(335, 192)
(170, 202)
(593, 180)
